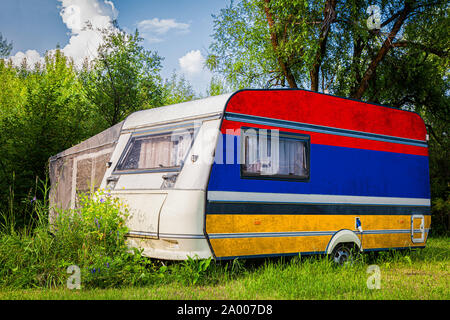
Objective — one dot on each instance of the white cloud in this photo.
(82, 43)
(192, 66)
(192, 62)
(31, 56)
(153, 29)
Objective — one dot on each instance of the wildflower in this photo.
(34, 199)
(96, 222)
(102, 200)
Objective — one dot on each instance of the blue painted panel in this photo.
(337, 171)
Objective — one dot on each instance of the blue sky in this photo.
(176, 29)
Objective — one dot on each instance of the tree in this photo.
(5, 47)
(299, 43)
(123, 78)
(217, 86)
(42, 112)
(177, 89)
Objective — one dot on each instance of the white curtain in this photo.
(251, 154)
(155, 152)
(164, 151)
(291, 157)
(277, 156)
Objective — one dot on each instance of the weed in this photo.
(194, 269)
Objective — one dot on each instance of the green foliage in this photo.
(42, 111)
(245, 52)
(440, 220)
(13, 92)
(91, 237)
(124, 77)
(217, 86)
(177, 89)
(5, 47)
(194, 269)
(258, 43)
(241, 48)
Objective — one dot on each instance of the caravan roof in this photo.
(181, 111)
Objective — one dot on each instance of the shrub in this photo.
(440, 223)
(91, 237)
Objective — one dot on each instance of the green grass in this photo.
(417, 274)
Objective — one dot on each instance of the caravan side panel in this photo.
(365, 161)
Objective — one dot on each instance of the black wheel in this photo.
(342, 254)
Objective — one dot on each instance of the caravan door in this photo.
(143, 209)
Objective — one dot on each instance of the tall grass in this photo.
(91, 237)
(408, 274)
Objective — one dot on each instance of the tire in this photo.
(343, 254)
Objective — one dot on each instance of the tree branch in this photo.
(274, 39)
(404, 43)
(431, 130)
(382, 52)
(329, 15)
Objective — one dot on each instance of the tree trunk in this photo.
(274, 39)
(358, 47)
(329, 15)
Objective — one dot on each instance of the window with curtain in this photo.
(270, 153)
(159, 151)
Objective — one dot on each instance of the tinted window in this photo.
(167, 150)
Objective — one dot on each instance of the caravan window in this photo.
(274, 154)
(158, 152)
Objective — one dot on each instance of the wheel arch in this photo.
(343, 236)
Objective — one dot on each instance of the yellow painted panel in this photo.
(275, 223)
(291, 223)
(398, 240)
(231, 223)
(271, 245)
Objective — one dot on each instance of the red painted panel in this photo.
(326, 110)
(233, 127)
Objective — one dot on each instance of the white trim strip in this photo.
(233, 196)
(165, 235)
(270, 234)
(302, 233)
(142, 233)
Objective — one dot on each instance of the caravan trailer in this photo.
(260, 173)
